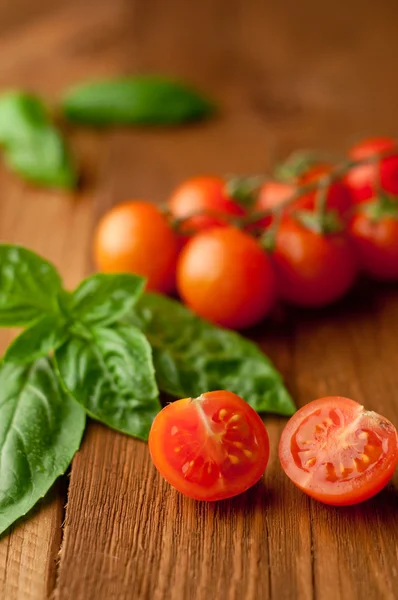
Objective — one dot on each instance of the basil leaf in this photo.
(192, 356)
(40, 430)
(43, 337)
(32, 145)
(110, 372)
(145, 100)
(103, 299)
(28, 286)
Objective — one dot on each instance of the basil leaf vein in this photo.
(40, 430)
(110, 372)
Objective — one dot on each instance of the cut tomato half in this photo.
(211, 447)
(337, 452)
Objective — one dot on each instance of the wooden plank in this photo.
(288, 76)
(126, 530)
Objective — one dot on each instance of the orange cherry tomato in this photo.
(135, 237)
(376, 243)
(338, 195)
(205, 198)
(312, 269)
(337, 452)
(209, 448)
(364, 179)
(224, 276)
(271, 195)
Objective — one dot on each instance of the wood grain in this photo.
(286, 75)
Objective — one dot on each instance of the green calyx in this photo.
(244, 190)
(322, 223)
(380, 207)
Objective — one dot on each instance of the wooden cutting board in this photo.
(286, 75)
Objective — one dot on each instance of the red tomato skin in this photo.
(135, 237)
(204, 194)
(376, 244)
(338, 196)
(182, 413)
(225, 277)
(271, 195)
(342, 494)
(362, 180)
(312, 270)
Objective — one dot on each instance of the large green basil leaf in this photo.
(110, 372)
(141, 100)
(28, 286)
(40, 430)
(192, 356)
(42, 338)
(105, 298)
(32, 146)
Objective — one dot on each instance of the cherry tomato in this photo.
(135, 237)
(203, 195)
(274, 193)
(362, 180)
(209, 448)
(224, 276)
(271, 195)
(338, 195)
(337, 452)
(312, 269)
(376, 242)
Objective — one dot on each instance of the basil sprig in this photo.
(103, 351)
(31, 144)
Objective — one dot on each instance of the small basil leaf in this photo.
(43, 337)
(144, 99)
(103, 299)
(28, 286)
(32, 146)
(112, 376)
(40, 430)
(192, 356)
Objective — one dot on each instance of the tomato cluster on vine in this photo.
(232, 247)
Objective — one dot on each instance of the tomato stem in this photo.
(322, 185)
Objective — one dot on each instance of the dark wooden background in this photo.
(287, 74)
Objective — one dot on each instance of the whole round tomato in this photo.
(224, 276)
(338, 195)
(135, 237)
(376, 241)
(337, 452)
(312, 269)
(209, 448)
(363, 179)
(271, 195)
(207, 200)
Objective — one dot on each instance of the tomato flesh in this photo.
(337, 452)
(209, 448)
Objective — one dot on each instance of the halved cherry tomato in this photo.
(205, 198)
(363, 180)
(337, 452)
(312, 269)
(135, 237)
(224, 276)
(376, 240)
(209, 448)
